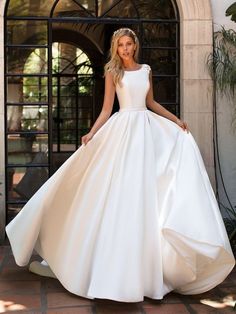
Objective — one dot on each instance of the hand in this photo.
(183, 125)
(86, 138)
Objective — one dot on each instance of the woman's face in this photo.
(126, 47)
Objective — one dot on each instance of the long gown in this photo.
(130, 214)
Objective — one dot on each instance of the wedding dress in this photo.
(130, 214)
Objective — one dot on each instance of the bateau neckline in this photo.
(134, 70)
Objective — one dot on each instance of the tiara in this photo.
(122, 29)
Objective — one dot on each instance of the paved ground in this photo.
(24, 292)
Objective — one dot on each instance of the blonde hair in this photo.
(114, 65)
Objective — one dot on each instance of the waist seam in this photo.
(133, 109)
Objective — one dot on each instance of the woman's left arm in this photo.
(159, 109)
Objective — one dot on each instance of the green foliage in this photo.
(222, 62)
(222, 67)
(231, 11)
(230, 221)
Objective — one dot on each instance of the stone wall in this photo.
(196, 84)
(2, 145)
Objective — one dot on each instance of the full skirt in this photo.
(130, 214)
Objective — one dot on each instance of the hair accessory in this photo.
(122, 29)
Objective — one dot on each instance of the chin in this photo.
(126, 58)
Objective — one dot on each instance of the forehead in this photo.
(125, 38)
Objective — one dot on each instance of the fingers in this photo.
(85, 139)
(186, 127)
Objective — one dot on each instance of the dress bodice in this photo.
(135, 85)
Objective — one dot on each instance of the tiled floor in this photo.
(24, 292)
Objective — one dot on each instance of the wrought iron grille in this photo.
(53, 94)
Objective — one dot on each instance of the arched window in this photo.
(55, 53)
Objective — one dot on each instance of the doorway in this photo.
(54, 77)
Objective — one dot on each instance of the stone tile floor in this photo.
(24, 292)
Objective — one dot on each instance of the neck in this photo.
(129, 64)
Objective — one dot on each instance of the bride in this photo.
(132, 212)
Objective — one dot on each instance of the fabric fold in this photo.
(130, 214)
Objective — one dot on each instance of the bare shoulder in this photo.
(109, 77)
(109, 80)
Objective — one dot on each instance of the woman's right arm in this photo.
(105, 113)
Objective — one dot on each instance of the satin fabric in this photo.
(130, 214)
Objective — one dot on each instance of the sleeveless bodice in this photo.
(135, 85)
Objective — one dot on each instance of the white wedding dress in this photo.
(131, 214)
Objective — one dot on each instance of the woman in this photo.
(132, 212)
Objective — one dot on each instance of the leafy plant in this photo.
(222, 67)
(232, 11)
(222, 62)
(230, 222)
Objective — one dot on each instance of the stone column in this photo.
(196, 84)
(2, 126)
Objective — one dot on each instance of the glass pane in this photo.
(69, 8)
(24, 182)
(66, 90)
(27, 32)
(162, 61)
(164, 89)
(85, 106)
(82, 86)
(59, 157)
(155, 9)
(173, 108)
(66, 123)
(27, 89)
(104, 6)
(27, 118)
(67, 140)
(26, 60)
(27, 149)
(29, 7)
(13, 210)
(159, 35)
(124, 9)
(69, 59)
(89, 5)
(70, 114)
(86, 87)
(85, 124)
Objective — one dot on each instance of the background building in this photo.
(52, 55)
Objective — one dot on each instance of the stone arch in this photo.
(196, 85)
